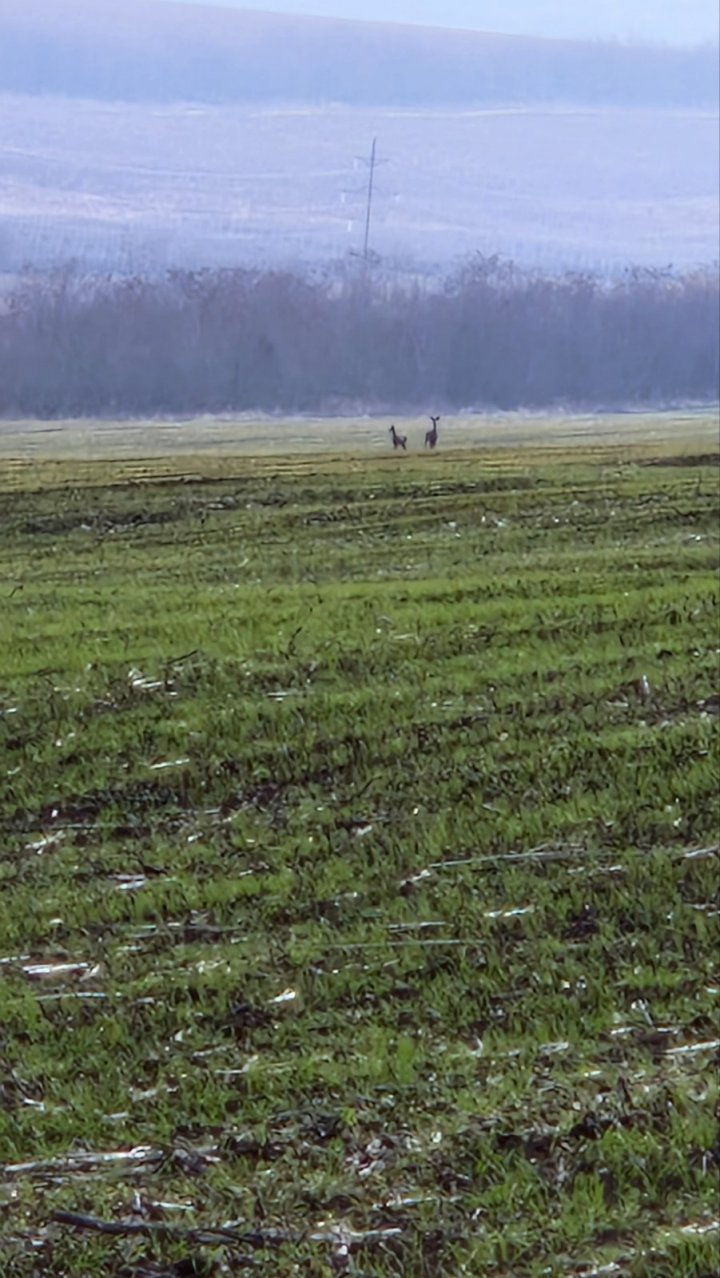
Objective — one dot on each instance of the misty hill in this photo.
(142, 134)
(156, 50)
(141, 187)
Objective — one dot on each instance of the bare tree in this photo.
(488, 336)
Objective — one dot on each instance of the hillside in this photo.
(139, 189)
(156, 50)
(142, 134)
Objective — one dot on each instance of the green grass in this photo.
(359, 828)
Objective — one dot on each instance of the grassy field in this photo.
(359, 875)
(24, 443)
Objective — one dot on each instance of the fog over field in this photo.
(141, 136)
(145, 187)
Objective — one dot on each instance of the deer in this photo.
(398, 441)
(431, 436)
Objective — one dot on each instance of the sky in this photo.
(656, 21)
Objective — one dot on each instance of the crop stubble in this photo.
(359, 874)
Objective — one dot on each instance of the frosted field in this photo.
(141, 188)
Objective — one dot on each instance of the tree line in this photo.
(488, 336)
(147, 52)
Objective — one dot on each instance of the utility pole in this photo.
(369, 201)
(371, 165)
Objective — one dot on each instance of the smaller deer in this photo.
(398, 441)
(431, 436)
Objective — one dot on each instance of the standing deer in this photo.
(431, 435)
(398, 441)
